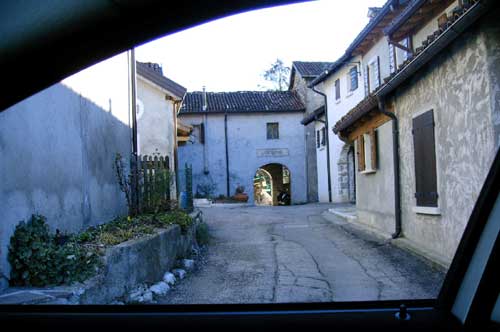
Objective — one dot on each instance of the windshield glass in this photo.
(315, 152)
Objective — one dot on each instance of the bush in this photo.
(202, 235)
(178, 217)
(38, 258)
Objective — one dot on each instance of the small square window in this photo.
(273, 130)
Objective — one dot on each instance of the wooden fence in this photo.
(155, 184)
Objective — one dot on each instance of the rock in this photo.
(169, 278)
(179, 273)
(188, 264)
(160, 288)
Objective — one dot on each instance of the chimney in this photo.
(372, 12)
(205, 103)
(156, 67)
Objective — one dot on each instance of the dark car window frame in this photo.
(122, 26)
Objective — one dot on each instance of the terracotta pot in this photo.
(241, 197)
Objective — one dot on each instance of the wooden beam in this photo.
(367, 126)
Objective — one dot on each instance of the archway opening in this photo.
(272, 185)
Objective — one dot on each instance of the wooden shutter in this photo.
(317, 138)
(366, 72)
(392, 58)
(374, 150)
(361, 153)
(353, 73)
(425, 160)
(377, 73)
(337, 89)
(323, 136)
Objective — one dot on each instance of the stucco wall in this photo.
(457, 86)
(322, 168)
(246, 134)
(57, 153)
(156, 126)
(375, 191)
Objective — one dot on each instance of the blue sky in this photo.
(230, 54)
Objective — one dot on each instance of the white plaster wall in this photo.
(322, 168)
(337, 109)
(156, 125)
(380, 49)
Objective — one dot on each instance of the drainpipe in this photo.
(227, 152)
(327, 143)
(395, 157)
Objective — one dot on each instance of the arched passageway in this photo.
(272, 185)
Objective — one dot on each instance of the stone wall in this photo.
(312, 101)
(461, 86)
(57, 153)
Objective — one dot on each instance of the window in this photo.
(323, 136)
(273, 130)
(367, 152)
(373, 74)
(337, 89)
(425, 160)
(199, 133)
(352, 79)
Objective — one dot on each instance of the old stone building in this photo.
(302, 74)
(245, 140)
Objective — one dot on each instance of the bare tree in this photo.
(278, 74)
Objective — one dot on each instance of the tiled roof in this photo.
(318, 113)
(310, 69)
(243, 102)
(154, 73)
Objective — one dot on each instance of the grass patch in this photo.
(202, 234)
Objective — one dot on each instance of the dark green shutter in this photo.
(425, 160)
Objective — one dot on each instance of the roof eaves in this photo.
(434, 43)
(320, 111)
(405, 14)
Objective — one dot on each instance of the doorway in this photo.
(272, 185)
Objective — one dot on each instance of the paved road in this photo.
(293, 254)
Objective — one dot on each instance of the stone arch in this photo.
(347, 174)
(277, 179)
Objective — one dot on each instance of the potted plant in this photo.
(240, 194)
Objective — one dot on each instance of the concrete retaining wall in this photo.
(126, 265)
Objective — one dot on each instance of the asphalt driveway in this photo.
(293, 254)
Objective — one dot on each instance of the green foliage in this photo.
(202, 235)
(37, 260)
(178, 217)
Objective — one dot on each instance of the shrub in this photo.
(202, 235)
(37, 259)
(178, 217)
